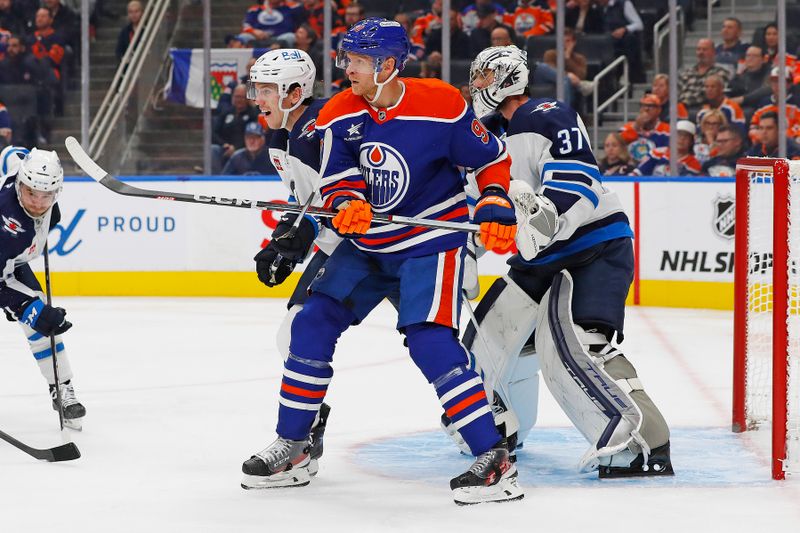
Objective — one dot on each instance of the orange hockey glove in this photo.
(353, 220)
(495, 213)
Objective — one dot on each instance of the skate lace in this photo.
(67, 395)
(482, 463)
(275, 451)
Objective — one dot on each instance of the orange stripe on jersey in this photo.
(344, 103)
(445, 313)
(466, 402)
(302, 392)
(463, 211)
(495, 174)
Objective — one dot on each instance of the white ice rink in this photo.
(180, 391)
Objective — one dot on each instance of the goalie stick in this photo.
(65, 452)
(107, 180)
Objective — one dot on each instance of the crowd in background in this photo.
(726, 101)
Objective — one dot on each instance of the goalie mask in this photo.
(503, 71)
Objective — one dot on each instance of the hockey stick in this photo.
(107, 180)
(65, 452)
(53, 338)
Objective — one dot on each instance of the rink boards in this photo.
(108, 244)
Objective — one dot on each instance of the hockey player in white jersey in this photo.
(30, 183)
(570, 279)
(281, 83)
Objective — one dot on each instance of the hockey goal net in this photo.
(766, 370)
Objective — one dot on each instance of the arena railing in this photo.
(622, 92)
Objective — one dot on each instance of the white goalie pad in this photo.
(537, 219)
(506, 325)
(601, 408)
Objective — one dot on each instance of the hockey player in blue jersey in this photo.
(30, 183)
(281, 84)
(568, 281)
(395, 149)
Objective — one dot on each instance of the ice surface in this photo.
(180, 391)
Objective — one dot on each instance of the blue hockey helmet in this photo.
(378, 38)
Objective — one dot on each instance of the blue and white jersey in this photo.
(549, 149)
(296, 156)
(22, 237)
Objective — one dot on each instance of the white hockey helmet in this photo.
(283, 67)
(41, 171)
(510, 67)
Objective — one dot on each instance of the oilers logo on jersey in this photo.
(386, 174)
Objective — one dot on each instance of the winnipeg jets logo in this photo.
(12, 226)
(544, 107)
(308, 129)
(386, 174)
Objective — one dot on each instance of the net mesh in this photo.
(759, 338)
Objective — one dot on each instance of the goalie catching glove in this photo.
(537, 219)
(495, 214)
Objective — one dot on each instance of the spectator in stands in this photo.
(752, 84)
(135, 10)
(20, 68)
(714, 91)
(423, 25)
(432, 66)
(47, 47)
(65, 21)
(5, 127)
(646, 132)
(315, 11)
(767, 145)
(471, 15)
(575, 63)
(769, 42)
(275, 20)
(731, 50)
(5, 35)
(11, 18)
(352, 14)
(730, 147)
(459, 41)
(616, 159)
(706, 147)
(501, 36)
(768, 105)
(307, 40)
(660, 88)
(584, 17)
(530, 19)
(657, 163)
(481, 36)
(253, 159)
(228, 129)
(691, 79)
(624, 24)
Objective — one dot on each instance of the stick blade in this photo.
(65, 452)
(83, 160)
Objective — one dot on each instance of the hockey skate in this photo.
(284, 463)
(315, 438)
(74, 411)
(628, 465)
(491, 478)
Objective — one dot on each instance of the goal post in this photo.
(766, 372)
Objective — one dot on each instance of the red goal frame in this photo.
(780, 308)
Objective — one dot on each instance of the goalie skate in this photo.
(491, 478)
(284, 463)
(74, 411)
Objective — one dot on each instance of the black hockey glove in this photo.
(294, 247)
(44, 319)
(272, 267)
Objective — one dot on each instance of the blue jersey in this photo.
(549, 148)
(405, 161)
(295, 155)
(22, 239)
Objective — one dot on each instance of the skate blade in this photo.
(293, 478)
(75, 424)
(654, 471)
(507, 490)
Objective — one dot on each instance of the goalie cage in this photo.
(766, 366)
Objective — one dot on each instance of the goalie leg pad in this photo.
(600, 406)
(507, 318)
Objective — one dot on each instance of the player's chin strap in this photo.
(287, 110)
(380, 85)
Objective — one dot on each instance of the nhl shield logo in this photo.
(724, 216)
